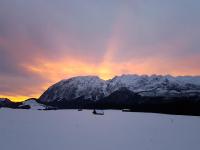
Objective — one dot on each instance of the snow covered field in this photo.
(116, 130)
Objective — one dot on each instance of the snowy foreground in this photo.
(116, 130)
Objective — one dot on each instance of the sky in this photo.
(44, 41)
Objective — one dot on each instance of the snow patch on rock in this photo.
(94, 88)
(33, 104)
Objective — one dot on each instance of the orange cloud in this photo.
(64, 68)
(67, 67)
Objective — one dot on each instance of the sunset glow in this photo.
(39, 47)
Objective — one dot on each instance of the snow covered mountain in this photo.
(93, 88)
(88, 87)
(32, 104)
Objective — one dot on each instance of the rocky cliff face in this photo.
(88, 87)
(93, 88)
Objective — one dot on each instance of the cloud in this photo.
(43, 42)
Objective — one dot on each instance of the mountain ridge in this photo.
(94, 88)
(155, 93)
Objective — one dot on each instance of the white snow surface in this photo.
(116, 130)
(94, 88)
(34, 105)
